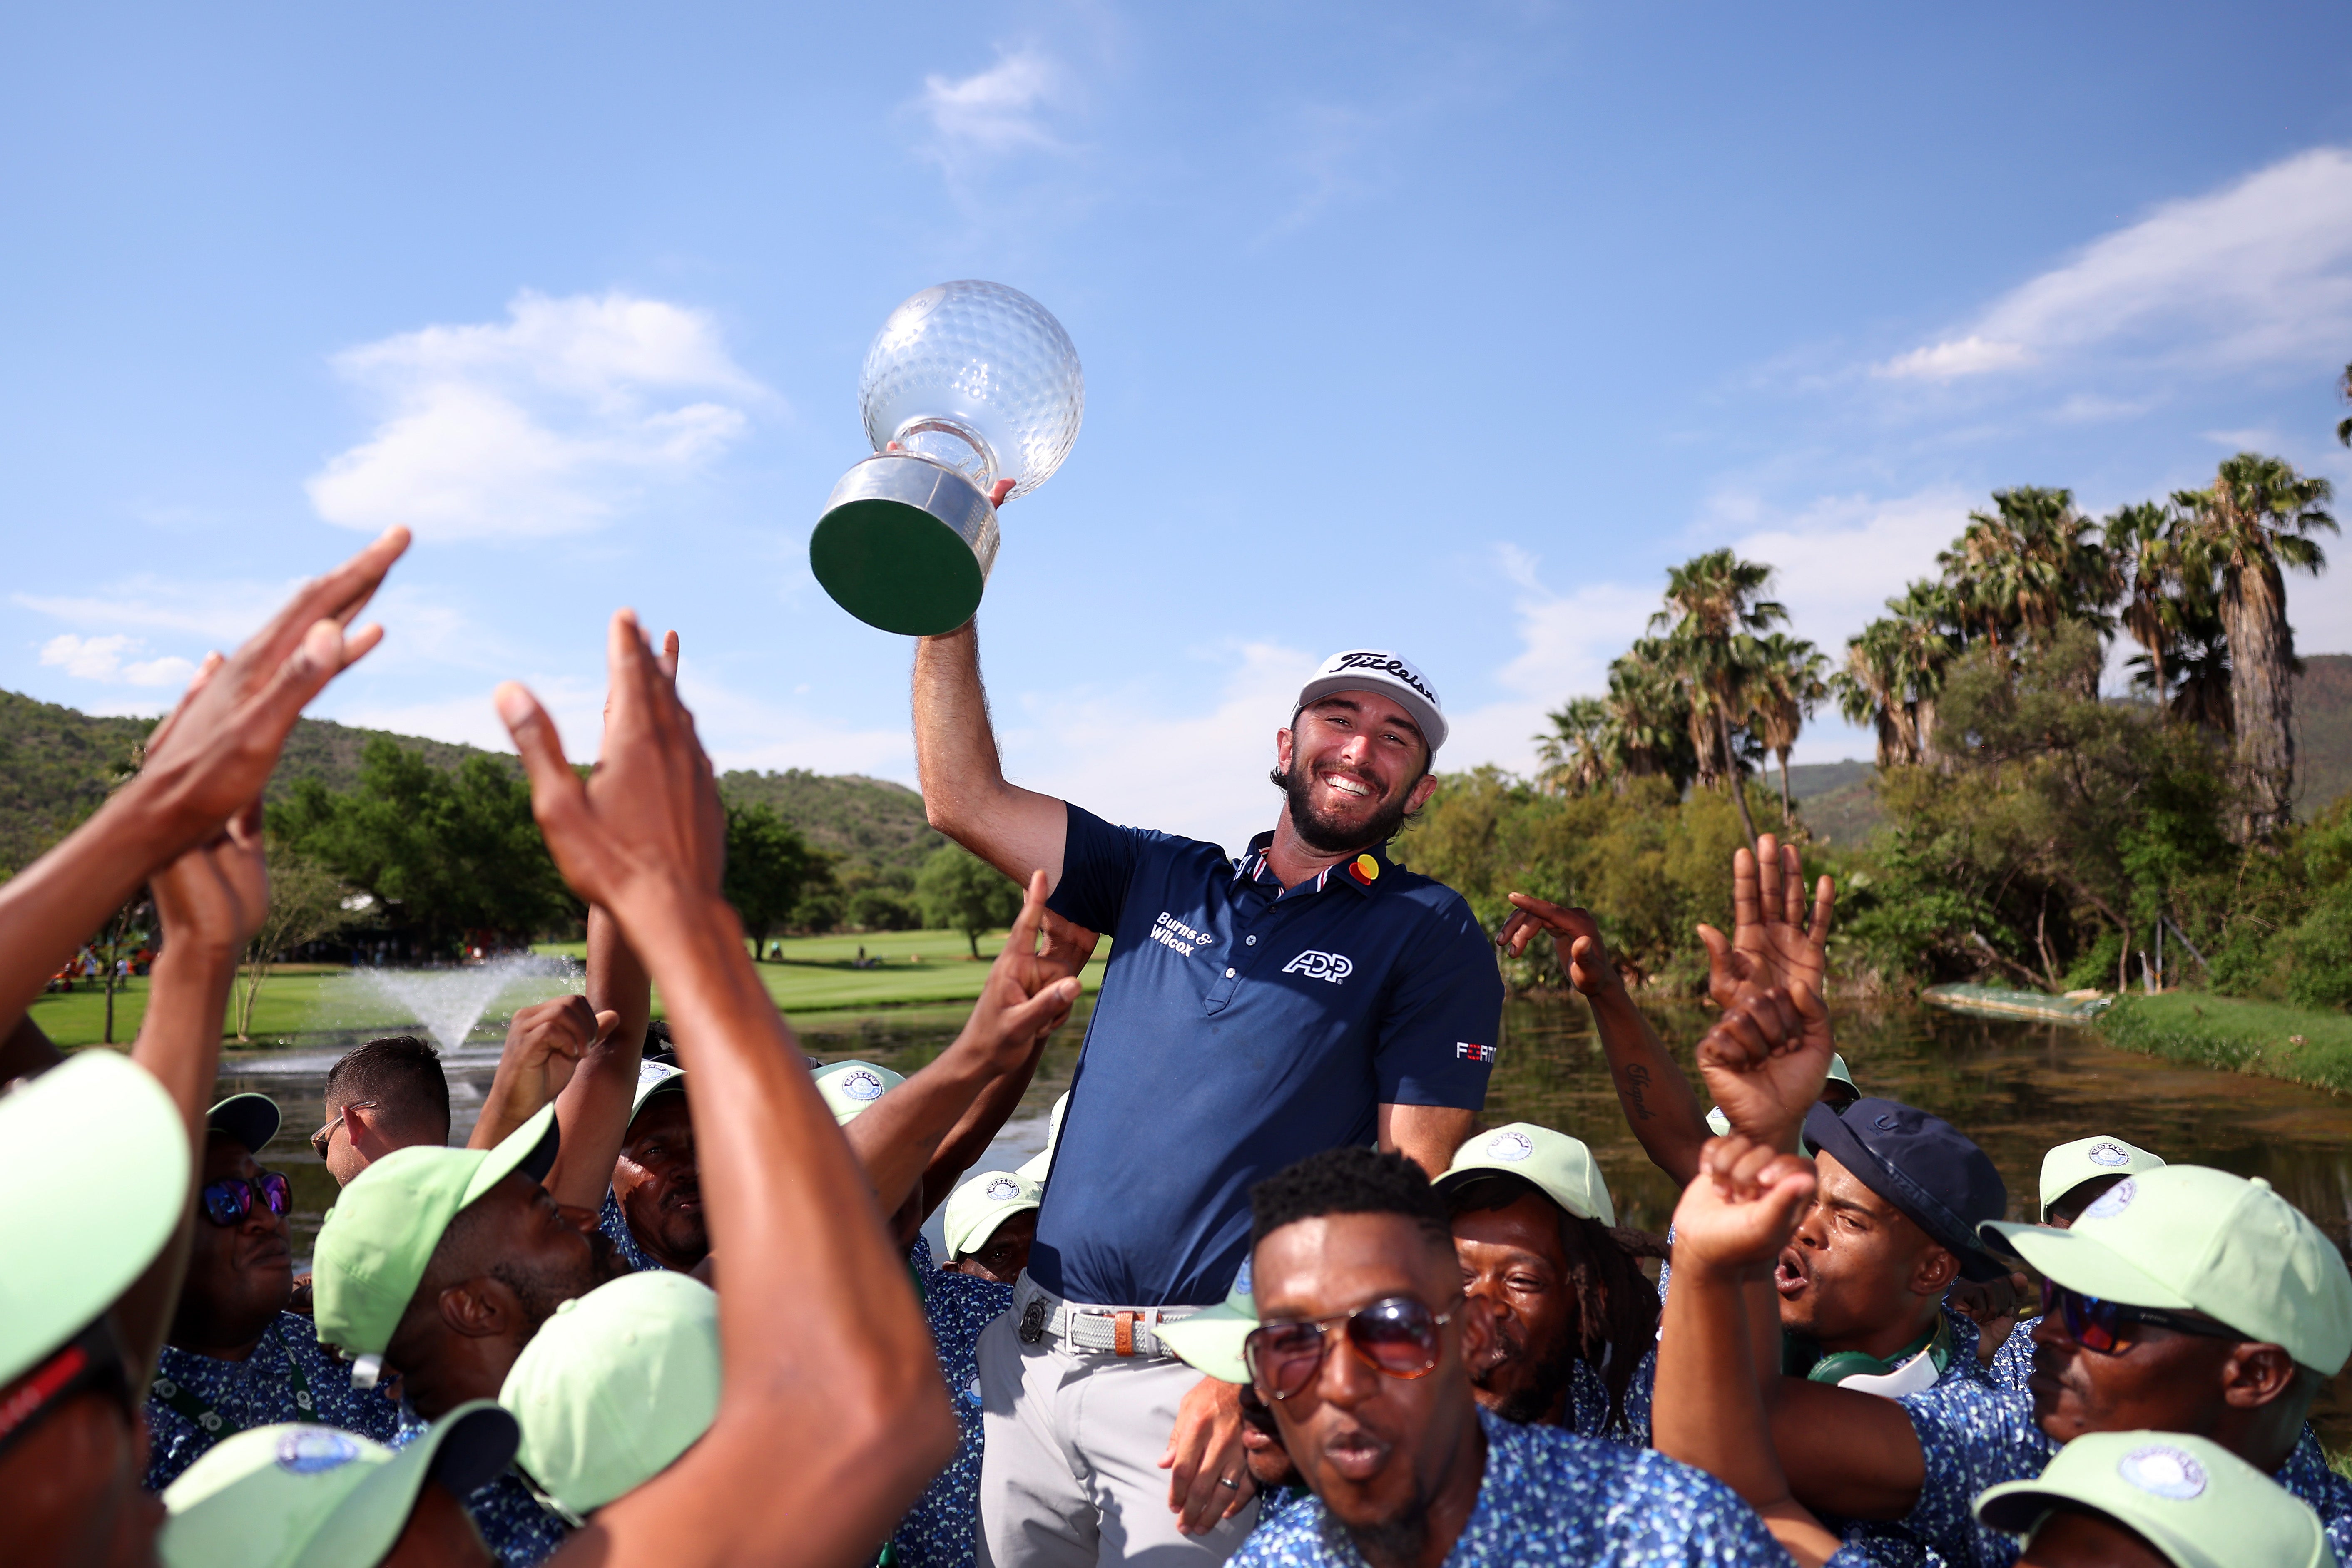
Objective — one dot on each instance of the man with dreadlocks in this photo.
(1576, 1325)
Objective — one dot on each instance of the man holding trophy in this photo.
(1307, 995)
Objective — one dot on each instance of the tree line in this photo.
(2037, 834)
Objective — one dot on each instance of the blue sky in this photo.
(1447, 329)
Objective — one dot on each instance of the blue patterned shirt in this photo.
(616, 1226)
(519, 1533)
(2012, 1363)
(1588, 1403)
(258, 1391)
(1549, 1496)
(938, 1530)
(1973, 1435)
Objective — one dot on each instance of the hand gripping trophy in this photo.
(971, 394)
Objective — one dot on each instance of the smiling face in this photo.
(240, 1276)
(654, 1180)
(1515, 1259)
(1859, 1274)
(1378, 1450)
(1353, 764)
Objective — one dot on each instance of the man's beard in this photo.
(1397, 1539)
(1319, 832)
(1538, 1398)
(541, 1291)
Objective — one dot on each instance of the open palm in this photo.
(1773, 945)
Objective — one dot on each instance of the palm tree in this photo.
(1579, 754)
(2343, 391)
(2170, 611)
(1649, 713)
(1894, 672)
(1866, 691)
(2027, 565)
(1713, 616)
(1791, 682)
(2253, 525)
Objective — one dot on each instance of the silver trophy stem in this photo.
(906, 544)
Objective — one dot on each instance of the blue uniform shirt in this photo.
(1973, 1435)
(1549, 1496)
(259, 1391)
(1587, 1402)
(616, 1226)
(938, 1530)
(519, 1533)
(1242, 1027)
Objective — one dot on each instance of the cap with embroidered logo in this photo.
(850, 1087)
(1556, 1165)
(251, 1118)
(1210, 1342)
(279, 1497)
(656, 1077)
(975, 1210)
(2189, 1497)
(2069, 1165)
(1923, 1165)
(100, 1169)
(375, 1245)
(615, 1386)
(2192, 1238)
(1378, 670)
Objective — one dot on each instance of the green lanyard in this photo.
(212, 1421)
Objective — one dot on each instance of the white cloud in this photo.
(549, 423)
(1843, 556)
(2258, 272)
(224, 613)
(103, 659)
(990, 113)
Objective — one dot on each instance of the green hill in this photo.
(57, 764)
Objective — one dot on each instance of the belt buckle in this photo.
(1033, 1321)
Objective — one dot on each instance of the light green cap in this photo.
(1210, 1342)
(375, 1243)
(1036, 1167)
(1720, 1124)
(977, 1207)
(2069, 1165)
(656, 1077)
(2188, 1238)
(298, 1496)
(99, 1168)
(849, 1087)
(1560, 1166)
(615, 1386)
(2192, 1500)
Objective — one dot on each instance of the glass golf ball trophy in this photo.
(971, 394)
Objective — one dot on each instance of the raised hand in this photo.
(1067, 945)
(215, 750)
(1772, 944)
(1765, 1061)
(1028, 993)
(648, 818)
(545, 1044)
(213, 896)
(1742, 1207)
(1575, 935)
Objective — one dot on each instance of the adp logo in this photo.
(1332, 967)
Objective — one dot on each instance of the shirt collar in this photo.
(1351, 874)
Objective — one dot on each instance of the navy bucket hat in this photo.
(1925, 1166)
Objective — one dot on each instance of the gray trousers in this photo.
(1070, 1476)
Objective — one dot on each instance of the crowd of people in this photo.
(1275, 1292)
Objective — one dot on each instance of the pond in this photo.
(2016, 1088)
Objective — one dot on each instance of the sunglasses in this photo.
(230, 1199)
(324, 1135)
(2100, 1326)
(1397, 1335)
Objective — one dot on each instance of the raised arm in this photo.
(1657, 1097)
(965, 794)
(545, 1043)
(205, 763)
(830, 1417)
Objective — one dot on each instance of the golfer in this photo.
(1305, 996)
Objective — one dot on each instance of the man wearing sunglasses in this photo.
(1363, 1349)
(2074, 1177)
(237, 1358)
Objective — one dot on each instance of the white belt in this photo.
(1117, 1331)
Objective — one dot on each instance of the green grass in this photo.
(920, 970)
(2269, 1039)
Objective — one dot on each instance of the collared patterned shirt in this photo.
(1973, 1435)
(259, 1391)
(1549, 1496)
(2012, 1363)
(1588, 1403)
(616, 1226)
(938, 1530)
(519, 1533)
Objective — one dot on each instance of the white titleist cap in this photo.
(1378, 670)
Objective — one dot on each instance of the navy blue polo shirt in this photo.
(1242, 1025)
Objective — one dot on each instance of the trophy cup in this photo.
(971, 394)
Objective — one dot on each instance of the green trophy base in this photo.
(905, 545)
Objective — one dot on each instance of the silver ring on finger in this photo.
(1229, 1484)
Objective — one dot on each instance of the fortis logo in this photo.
(1332, 967)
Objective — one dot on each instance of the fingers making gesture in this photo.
(1772, 942)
